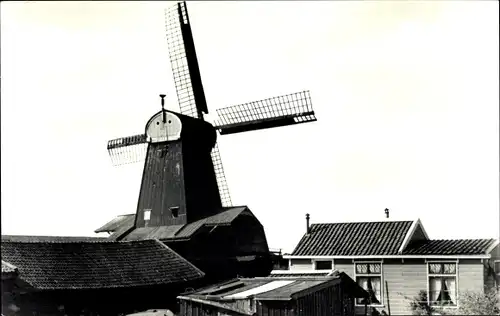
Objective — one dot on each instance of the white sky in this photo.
(406, 95)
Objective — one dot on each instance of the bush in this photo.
(420, 306)
(479, 303)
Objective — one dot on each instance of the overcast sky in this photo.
(406, 95)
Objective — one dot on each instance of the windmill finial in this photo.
(162, 96)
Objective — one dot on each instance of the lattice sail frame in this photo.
(126, 150)
(178, 59)
(184, 85)
(283, 110)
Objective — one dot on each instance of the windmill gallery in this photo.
(185, 233)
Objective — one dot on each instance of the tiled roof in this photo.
(90, 265)
(115, 223)
(8, 268)
(353, 239)
(450, 247)
(23, 238)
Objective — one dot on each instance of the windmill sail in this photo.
(126, 150)
(283, 110)
(184, 62)
(187, 80)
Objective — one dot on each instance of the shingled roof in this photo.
(386, 238)
(104, 264)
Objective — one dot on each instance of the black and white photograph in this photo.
(258, 158)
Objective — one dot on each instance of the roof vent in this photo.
(386, 213)
(308, 227)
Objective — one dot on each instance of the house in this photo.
(315, 296)
(395, 260)
(56, 276)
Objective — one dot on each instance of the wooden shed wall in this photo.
(326, 302)
(190, 308)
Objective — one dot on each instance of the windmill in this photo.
(183, 178)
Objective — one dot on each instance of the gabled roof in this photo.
(123, 226)
(381, 239)
(450, 247)
(353, 239)
(90, 265)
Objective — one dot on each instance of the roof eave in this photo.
(474, 256)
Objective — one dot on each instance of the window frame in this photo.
(497, 273)
(429, 275)
(314, 261)
(356, 275)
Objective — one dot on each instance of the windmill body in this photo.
(184, 199)
(178, 172)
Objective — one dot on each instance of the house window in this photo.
(323, 264)
(442, 283)
(301, 262)
(369, 277)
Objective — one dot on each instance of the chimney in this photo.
(387, 213)
(308, 230)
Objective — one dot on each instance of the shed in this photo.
(287, 296)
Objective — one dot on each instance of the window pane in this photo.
(434, 289)
(435, 268)
(323, 265)
(373, 286)
(300, 262)
(450, 268)
(374, 267)
(442, 290)
(361, 268)
(497, 267)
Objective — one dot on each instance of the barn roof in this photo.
(388, 238)
(273, 288)
(90, 265)
(122, 227)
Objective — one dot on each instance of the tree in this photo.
(420, 306)
(479, 303)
